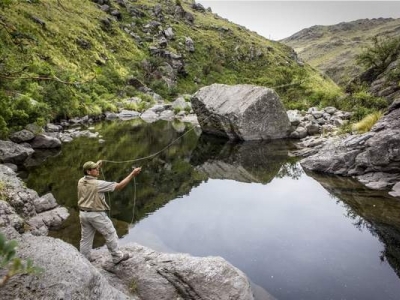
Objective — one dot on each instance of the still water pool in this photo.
(296, 235)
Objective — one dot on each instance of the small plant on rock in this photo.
(13, 265)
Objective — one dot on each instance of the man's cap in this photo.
(90, 165)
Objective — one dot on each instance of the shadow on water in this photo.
(375, 211)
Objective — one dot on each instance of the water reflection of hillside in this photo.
(374, 210)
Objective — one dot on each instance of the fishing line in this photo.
(139, 159)
(166, 147)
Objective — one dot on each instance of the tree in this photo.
(380, 54)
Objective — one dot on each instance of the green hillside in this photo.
(60, 59)
(334, 49)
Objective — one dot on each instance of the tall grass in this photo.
(367, 122)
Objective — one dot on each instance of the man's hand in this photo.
(99, 163)
(128, 178)
(136, 171)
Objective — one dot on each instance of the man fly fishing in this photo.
(93, 208)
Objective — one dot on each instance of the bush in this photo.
(380, 54)
(362, 103)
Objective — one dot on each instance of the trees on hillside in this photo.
(380, 54)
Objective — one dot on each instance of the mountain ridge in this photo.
(333, 49)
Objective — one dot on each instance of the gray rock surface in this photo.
(46, 202)
(165, 276)
(41, 213)
(242, 112)
(66, 273)
(374, 157)
(52, 219)
(22, 136)
(14, 153)
(45, 142)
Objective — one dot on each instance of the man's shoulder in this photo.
(88, 178)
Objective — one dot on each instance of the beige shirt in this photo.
(91, 193)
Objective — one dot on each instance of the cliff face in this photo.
(333, 49)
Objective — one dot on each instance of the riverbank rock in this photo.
(176, 276)
(14, 153)
(40, 213)
(326, 121)
(241, 112)
(148, 275)
(373, 157)
(66, 273)
(43, 141)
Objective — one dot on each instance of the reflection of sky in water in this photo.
(289, 236)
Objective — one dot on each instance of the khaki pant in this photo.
(92, 221)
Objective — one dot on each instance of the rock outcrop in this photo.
(373, 157)
(24, 206)
(241, 112)
(176, 276)
(66, 273)
(14, 153)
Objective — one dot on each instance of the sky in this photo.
(276, 20)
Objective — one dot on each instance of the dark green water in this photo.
(296, 235)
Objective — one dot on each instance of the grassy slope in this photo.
(333, 49)
(225, 53)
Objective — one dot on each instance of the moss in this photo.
(3, 195)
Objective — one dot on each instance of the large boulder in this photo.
(45, 142)
(241, 112)
(22, 136)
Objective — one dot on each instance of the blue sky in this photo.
(279, 19)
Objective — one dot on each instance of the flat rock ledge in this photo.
(166, 276)
(148, 275)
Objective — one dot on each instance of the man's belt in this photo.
(90, 210)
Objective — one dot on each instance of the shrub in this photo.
(362, 103)
(380, 54)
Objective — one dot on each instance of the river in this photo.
(296, 235)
